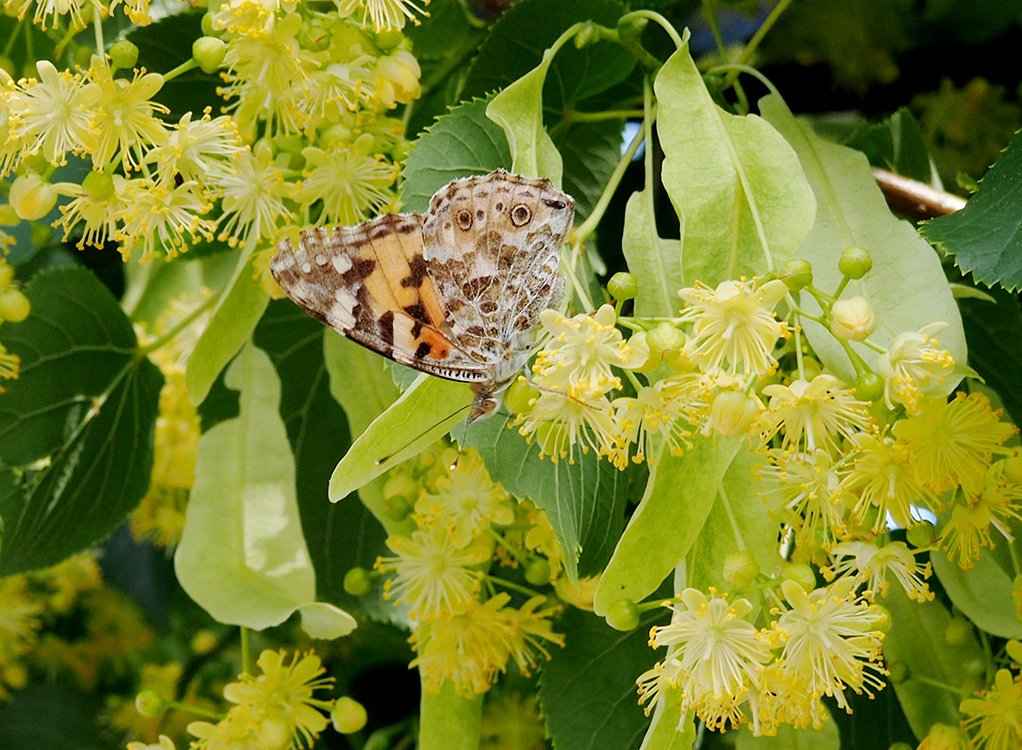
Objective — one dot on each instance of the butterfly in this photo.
(455, 292)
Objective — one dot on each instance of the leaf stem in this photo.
(572, 115)
(13, 37)
(726, 501)
(246, 654)
(511, 585)
(189, 64)
(652, 15)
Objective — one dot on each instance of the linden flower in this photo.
(329, 93)
(47, 11)
(968, 529)
(158, 217)
(734, 325)
(719, 653)
(254, 199)
(164, 743)
(951, 443)
(19, 619)
(350, 183)
(125, 121)
(10, 365)
(881, 475)
(136, 10)
(384, 15)
(803, 488)
(397, 79)
(581, 352)
(915, 367)
(431, 575)
(205, 150)
(54, 114)
(282, 696)
(868, 564)
(560, 421)
(469, 649)
(812, 414)
(246, 17)
(97, 211)
(467, 501)
(830, 640)
(778, 698)
(993, 719)
(530, 629)
(653, 418)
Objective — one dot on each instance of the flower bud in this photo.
(943, 737)
(397, 78)
(8, 216)
(99, 186)
(869, 386)
(853, 319)
(32, 197)
(663, 339)
(801, 574)
(148, 703)
(208, 52)
(732, 413)
(207, 24)
(1014, 650)
(623, 615)
(123, 55)
(797, 274)
(388, 40)
(358, 581)
(6, 274)
(397, 507)
(537, 572)
(1012, 466)
(581, 595)
(203, 642)
(958, 632)
(740, 568)
(14, 307)
(348, 715)
(623, 286)
(855, 262)
(921, 535)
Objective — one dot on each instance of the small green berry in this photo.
(921, 535)
(801, 574)
(358, 581)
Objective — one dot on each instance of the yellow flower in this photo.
(246, 17)
(397, 78)
(136, 10)
(54, 114)
(655, 416)
(879, 472)
(803, 491)
(431, 575)
(204, 150)
(951, 443)
(915, 367)
(384, 15)
(734, 325)
(125, 119)
(968, 529)
(582, 351)
(780, 698)
(466, 501)
(162, 217)
(19, 620)
(50, 11)
(868, 564)
(349, 183)
(164, 743)
(97, 211)
(559, 422)
(830, 640)
(529, 629)
(812, 414)
(281, 698)
(995, 718)
(10, 365)
(254, 199)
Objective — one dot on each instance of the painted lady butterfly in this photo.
(455, 292)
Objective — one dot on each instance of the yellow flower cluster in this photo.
(728, 671)
(14, 308)
(465, 634)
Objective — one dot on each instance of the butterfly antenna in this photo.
(388, 457)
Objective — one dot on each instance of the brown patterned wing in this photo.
(369, 282)
(492, 249)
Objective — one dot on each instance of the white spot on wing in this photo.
(306, 267)
(342, 263)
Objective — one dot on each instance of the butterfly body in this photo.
(455, 292)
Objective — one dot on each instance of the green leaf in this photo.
(737, 520)
(242, 555)
(71, 720)
(679, 497)
(906, 287)
(234, 318)
(654, 261)
(86, 404)
(517, 42)
(590, 151)
(518, 109)
(669, 729)
(460, 143)
(584, 501)
(594, 676)
(896, 144)
(423, 414)
(985, 237)
(916, 639)
(743, 200)
(983, 593)
(789, 738)
(995, 348)
(448, 721)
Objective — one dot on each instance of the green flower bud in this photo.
(855, 262)
(6, 274)
(148, 703)
(921, 535)
(32, 197)
(398, 508)
(958, 632)
(622, 286)
(358, 581)
(348, 715)
(740, 568)
(623, 615)
(537, 572)
(732, 413)
(797, 274)
(869, 387)
(664, 338)
(388, 40)
(99, 186)
(1013, 468)
(801, 574)
(8, 216)
(123, 54)
(1014, 650)
(208, 52)
(853, 319)
(207, 25)
(14, 306)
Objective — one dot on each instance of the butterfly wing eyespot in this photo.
(464, 219)
(521, 215)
